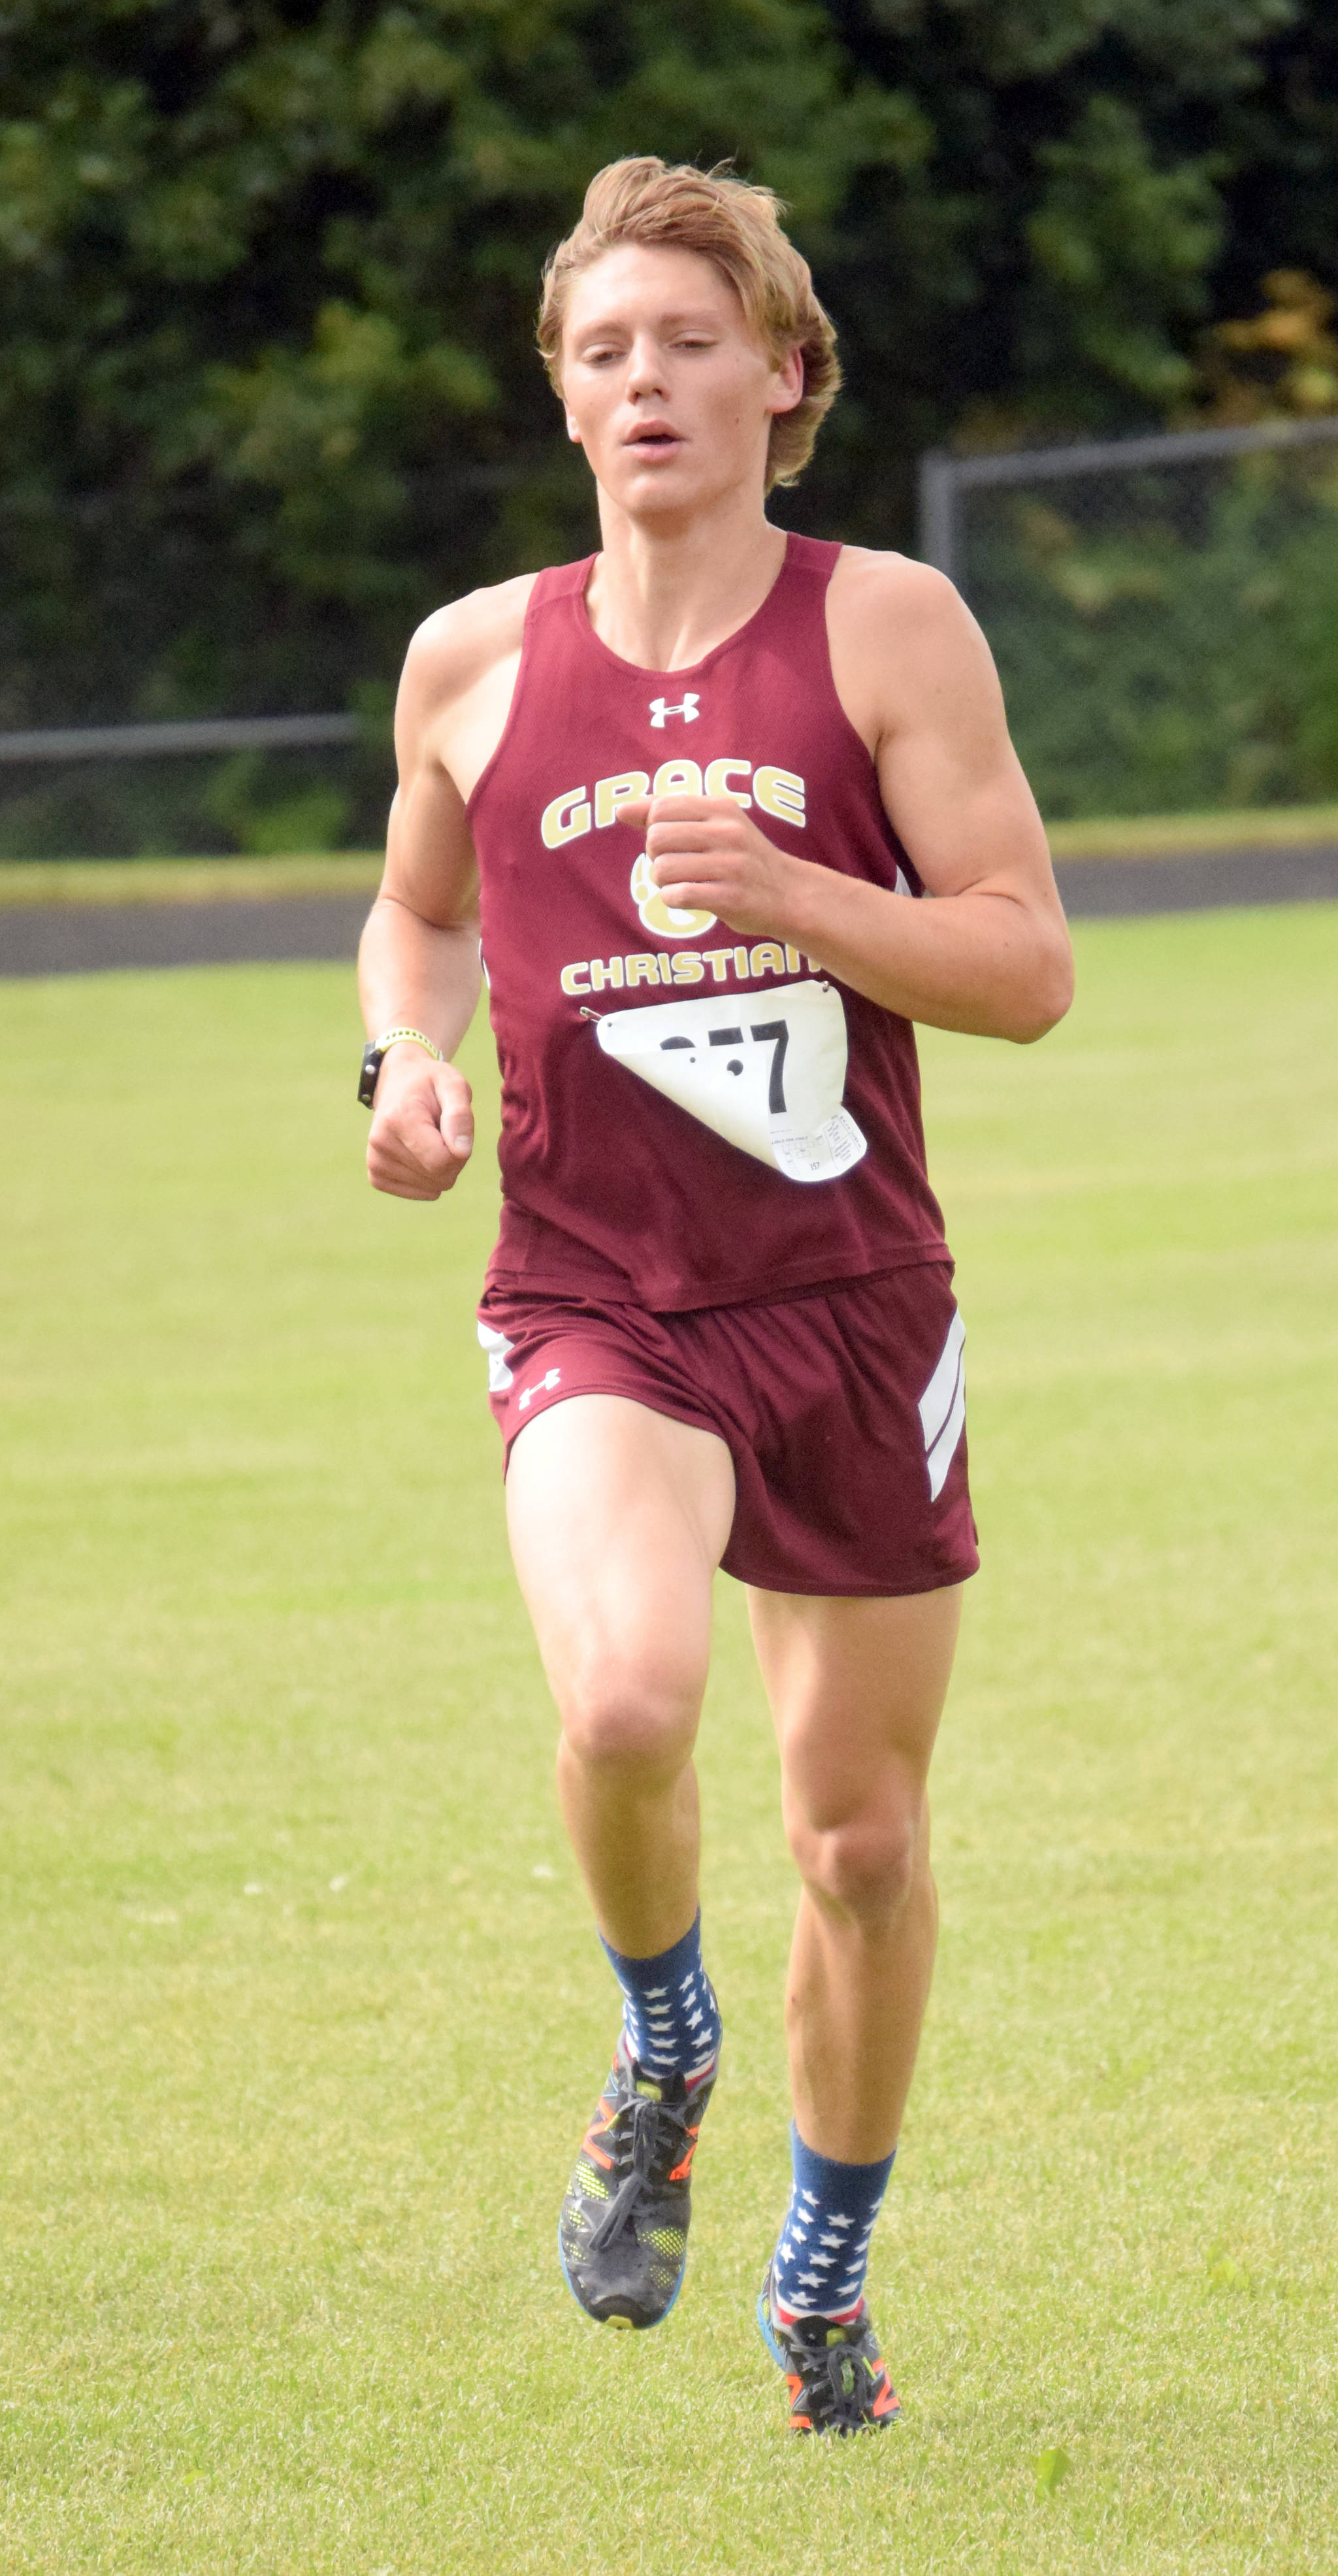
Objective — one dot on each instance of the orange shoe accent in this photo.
(798, 2423)
(681, 2172)
(589, 2148)
(886, 2402)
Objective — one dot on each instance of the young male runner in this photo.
(691, 789)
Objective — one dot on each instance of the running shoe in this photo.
(836, 2375)
(623, 2232)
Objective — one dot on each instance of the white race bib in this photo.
(765, 1070)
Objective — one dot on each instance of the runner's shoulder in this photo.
(458, 645)
(870, 584)
(903, 641)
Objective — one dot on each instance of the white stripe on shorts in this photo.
(943, 1407)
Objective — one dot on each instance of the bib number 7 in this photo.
(768, 1077)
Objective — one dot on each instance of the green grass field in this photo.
(302, 2015)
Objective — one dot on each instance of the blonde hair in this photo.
(736, 227)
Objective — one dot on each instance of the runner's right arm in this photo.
(418, 963)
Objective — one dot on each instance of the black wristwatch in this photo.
(373, 1055)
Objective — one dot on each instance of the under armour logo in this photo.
(541, 1386)
(660, 708)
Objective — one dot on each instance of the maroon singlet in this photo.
(689, 1118)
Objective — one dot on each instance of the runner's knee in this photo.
(625, 1717)
(865, 1864)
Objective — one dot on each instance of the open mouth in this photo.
(651, 442)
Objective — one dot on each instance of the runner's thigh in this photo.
(618, 1519)
(856, 1691)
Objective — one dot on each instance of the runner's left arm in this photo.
(991, 954)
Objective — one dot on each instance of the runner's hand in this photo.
(707, 855)
(422, 1126)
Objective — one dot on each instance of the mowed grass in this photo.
(302, 2012)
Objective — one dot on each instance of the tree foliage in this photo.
(268, 270)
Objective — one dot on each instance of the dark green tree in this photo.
(267, 281)
(268, 270)
(1091, 199)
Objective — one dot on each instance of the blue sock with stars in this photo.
(670, 2013)
(819, 2264)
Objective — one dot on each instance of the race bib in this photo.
(765, 1070)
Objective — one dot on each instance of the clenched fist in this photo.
(706, 855)
(422, 1126)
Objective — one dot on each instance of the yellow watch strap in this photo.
(391, 1037)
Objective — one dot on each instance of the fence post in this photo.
(937, 481)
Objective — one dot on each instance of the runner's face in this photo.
(664, 384)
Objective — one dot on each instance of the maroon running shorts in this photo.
(843, 1410)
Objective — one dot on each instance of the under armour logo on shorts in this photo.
(660, 708)
(541, 1386)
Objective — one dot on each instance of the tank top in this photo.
(690, 1117)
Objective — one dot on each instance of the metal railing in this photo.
(943, 477)
(159, 741)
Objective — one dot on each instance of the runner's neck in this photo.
(663, 598)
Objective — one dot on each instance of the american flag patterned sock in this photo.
(670, 2012)
(820, 2261)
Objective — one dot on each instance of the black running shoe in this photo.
(836, 2375)
(623, 2232)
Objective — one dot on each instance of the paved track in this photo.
(87, 938)
(1194, 882)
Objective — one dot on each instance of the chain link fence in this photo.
(261, 785)
(1163, 610)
